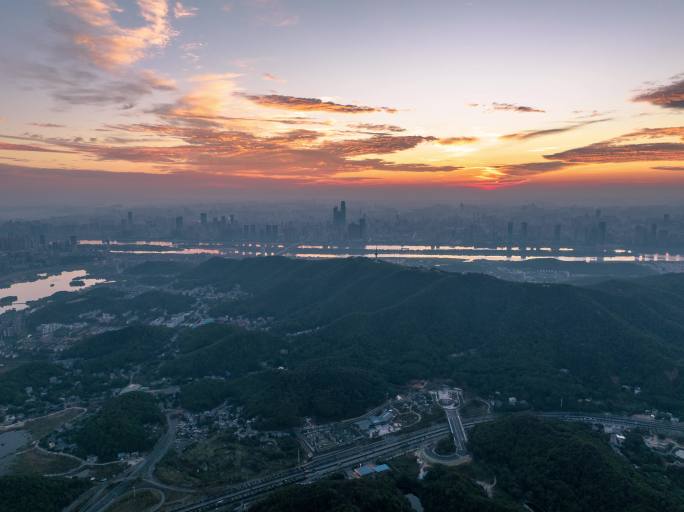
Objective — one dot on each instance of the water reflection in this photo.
(154, 243)
(642, 258)
(46, 286)
(466, 253)
(188, 250)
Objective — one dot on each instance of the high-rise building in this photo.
(179, 222)
(357, 230)
(340, 215)
(130, 218)
(203, 219)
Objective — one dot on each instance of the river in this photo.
(45, 286)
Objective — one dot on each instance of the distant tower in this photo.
(510, 234)
(203, 219)
(179, 222)
(340, 216)
(130, 218)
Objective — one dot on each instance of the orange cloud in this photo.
(656, 133)
(99, 37)
(180, 11)
(272, 78)
(533, 134)
(520, 172)
(6, 146)
(47, 125)
(667, 96)
(458, 141)
(611, 152)
(378, 127)
(295, 154)
(205, 103)
(516, 108)
(311, 104)
(378, 144)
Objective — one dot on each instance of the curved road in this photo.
(107, 494)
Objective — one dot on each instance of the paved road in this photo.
(329, 463)
(457, 430)
(391, 446)
(105, 496)
(321, 467)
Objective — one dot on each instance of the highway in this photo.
(326, 464)
(615, 421)
(321, 467)
(391, 446)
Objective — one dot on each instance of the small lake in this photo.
(45, 286)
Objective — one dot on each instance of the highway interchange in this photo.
(326, 464)
(390, 446)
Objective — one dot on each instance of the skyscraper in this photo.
(340, 215)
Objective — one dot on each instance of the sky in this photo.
(166, 100)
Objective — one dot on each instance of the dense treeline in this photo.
(232, 362)
(115, 349)
(445, 489)
(64, 307)
(325, 392)
(204, 394)
(221, 350)
(551, 345)
(564, 467)
(368, 495)
(128, 423)
(38, 494)
(14, 382)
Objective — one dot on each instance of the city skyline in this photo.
(150, 99)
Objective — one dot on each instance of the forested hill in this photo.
(539, 342)
(307, 294)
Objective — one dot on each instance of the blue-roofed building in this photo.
(370, 469)
(364, 471)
